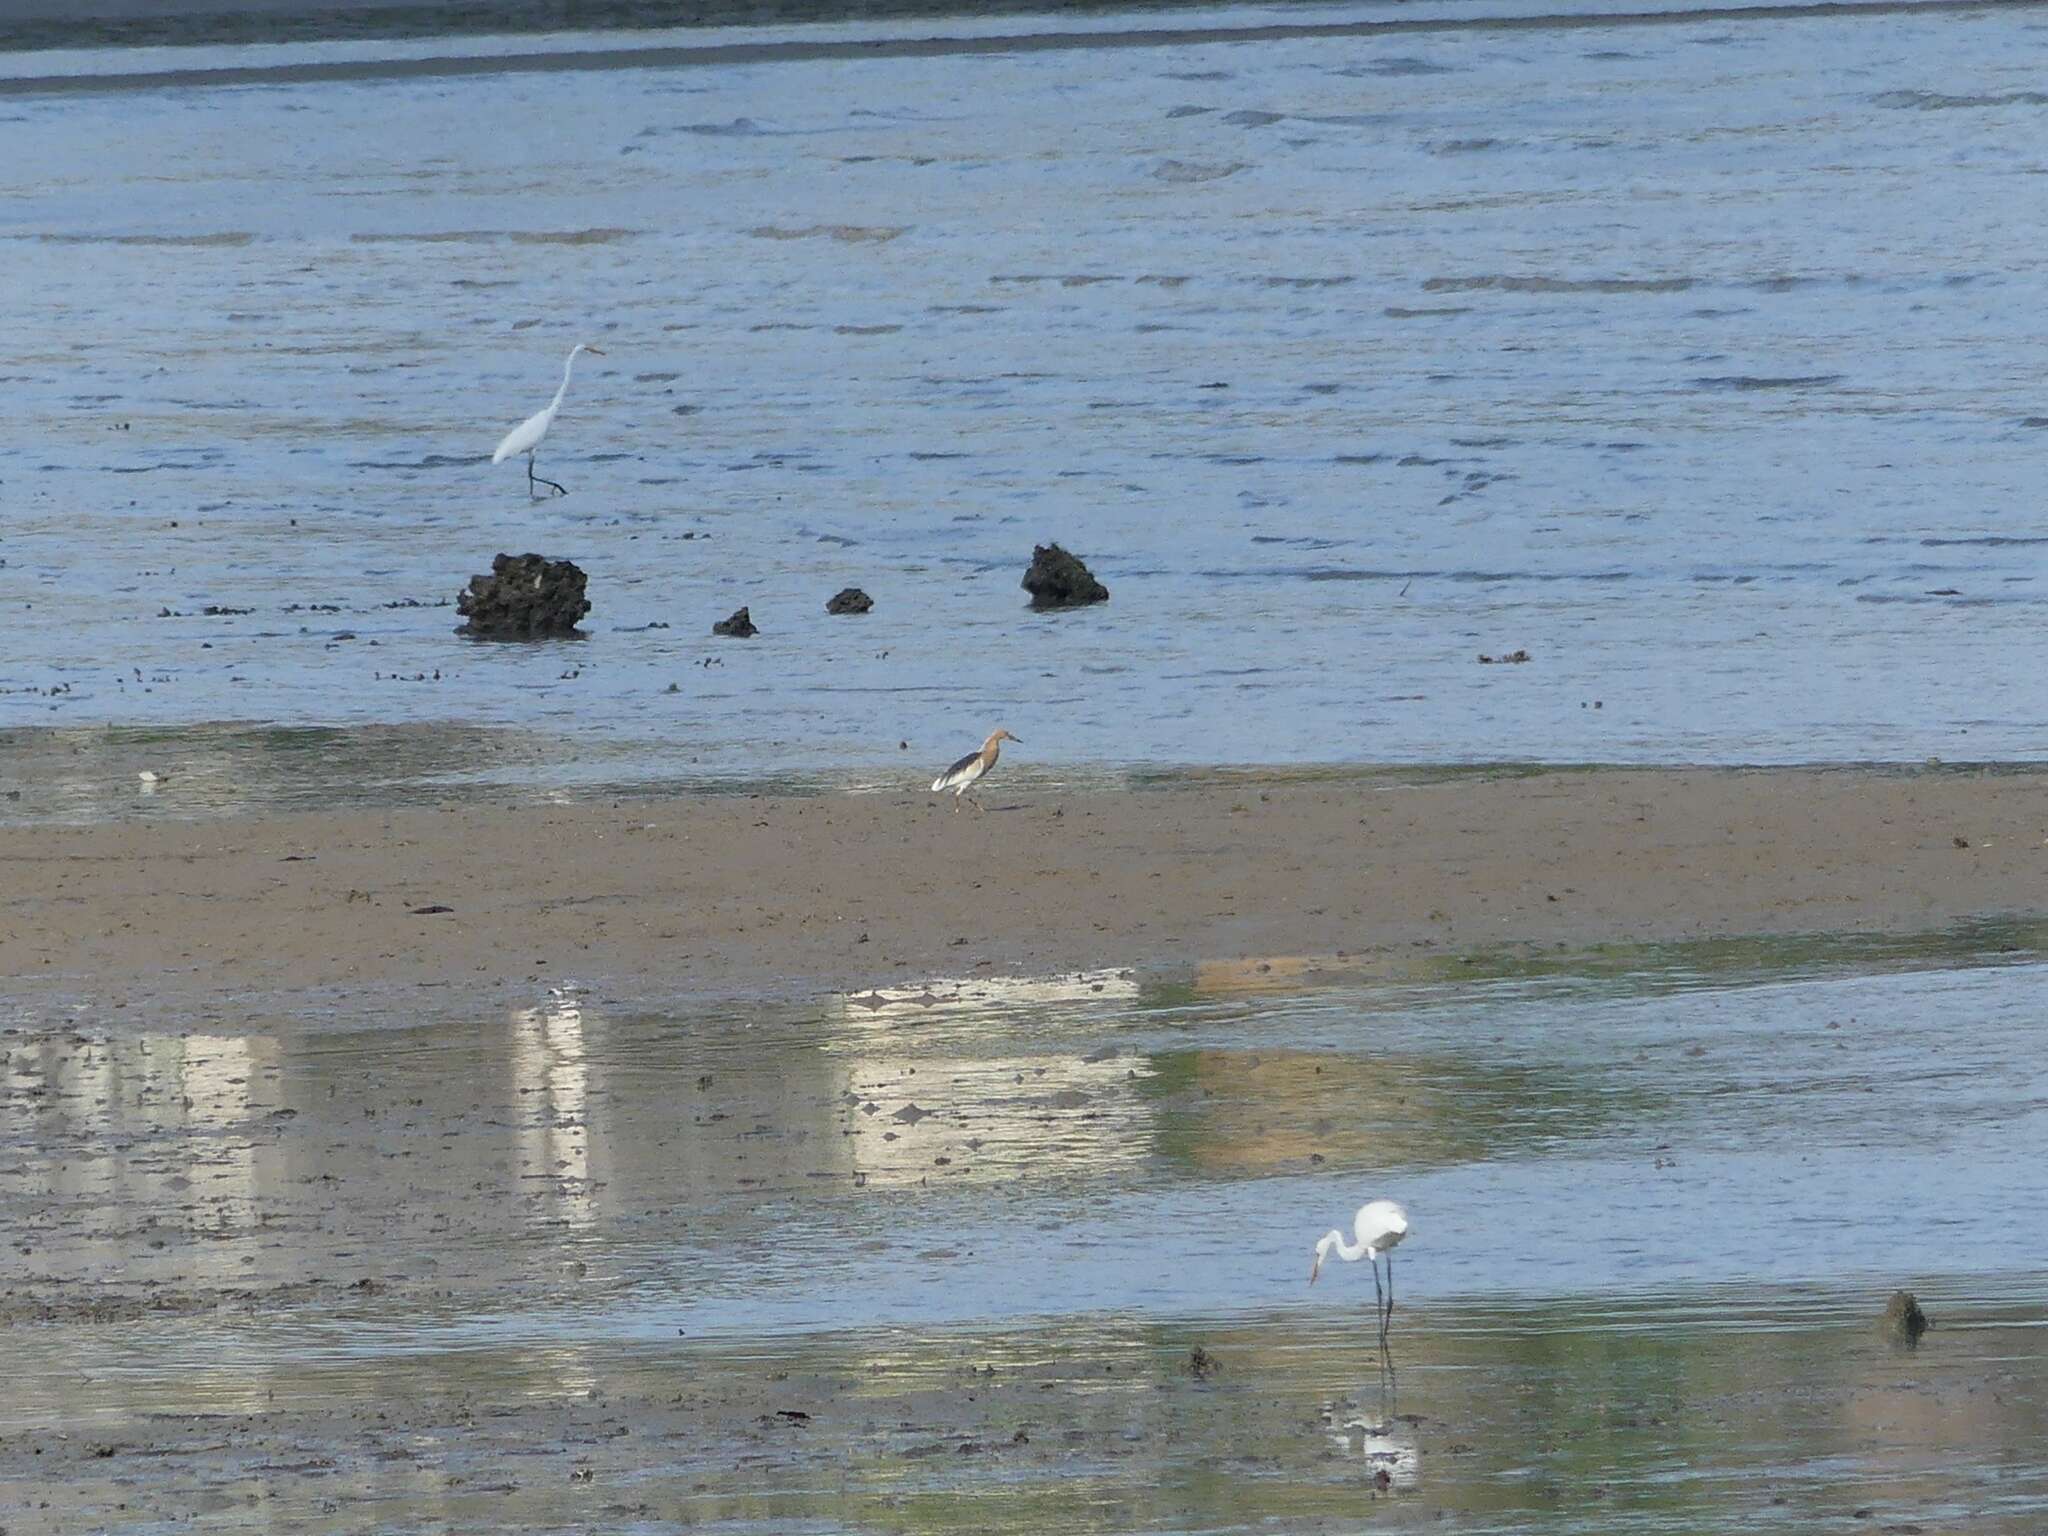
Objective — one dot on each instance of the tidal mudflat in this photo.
(946, 1260)
(169, 910)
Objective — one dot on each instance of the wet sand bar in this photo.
(793, 896)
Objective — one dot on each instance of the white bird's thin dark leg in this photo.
(1379, 1299)
(1390, 1298)
(532, 479)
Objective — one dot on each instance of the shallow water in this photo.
(1645, 1123)
(1659, 1199)
(1679, 356)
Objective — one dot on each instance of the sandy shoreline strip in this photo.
(796, 896)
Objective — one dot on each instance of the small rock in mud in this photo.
(849, 600)
(525, 597)
(740, 626)
(1903, 1319)
(1202, 1365)
(1059, 580)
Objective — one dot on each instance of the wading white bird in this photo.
(966, 773)
(1378, 1226)
(526, 437)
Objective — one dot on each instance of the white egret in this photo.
(1377, 1227)
(526, 437)
(964, 774)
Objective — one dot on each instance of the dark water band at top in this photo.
(234, 23)
(393, 24)
(31, 24)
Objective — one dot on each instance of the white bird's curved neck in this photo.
(1349, 1252)
(568, 364)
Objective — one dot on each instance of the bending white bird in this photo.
(1377, 1227)
(966, 773)
(526, 437)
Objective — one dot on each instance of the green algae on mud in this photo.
(1558, 1417)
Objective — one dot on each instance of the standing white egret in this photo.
(526, 437)
(964, 774)
(1377, 1227)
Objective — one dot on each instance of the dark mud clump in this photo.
(525, 597)
(740, 626)
(1903, 1319)
(849, 600)
(1059, 580)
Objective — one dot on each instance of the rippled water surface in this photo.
(1694, 359)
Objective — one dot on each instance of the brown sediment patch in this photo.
(847, 234)
(602, 236)
(228, 237)
(764, 895)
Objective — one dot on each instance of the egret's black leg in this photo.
(1378, 1300)
(1390, 1297)
(532, 480)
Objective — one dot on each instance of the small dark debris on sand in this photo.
(1201, 1364)
(1513, 658)
(740, 626)
(525, 597)
(849, 600)
(1059, 580)
(1903, 1319)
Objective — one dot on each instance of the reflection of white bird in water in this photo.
(1378, 1226)
(1388, 1448)
(526, 437)
(964, 774)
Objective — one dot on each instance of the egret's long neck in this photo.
(1349, 1252)
(556, 403)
